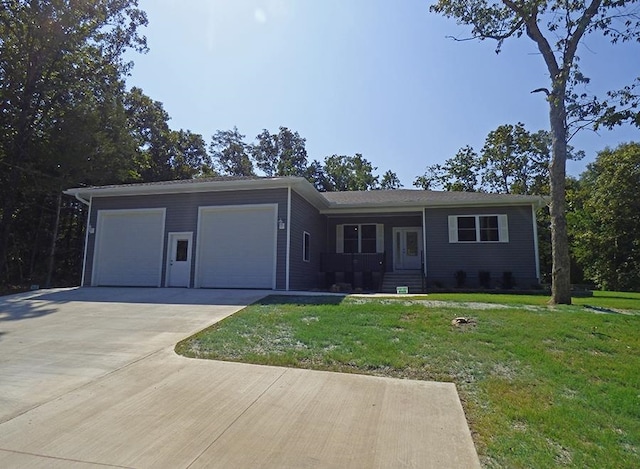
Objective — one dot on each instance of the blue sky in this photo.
(359, 76)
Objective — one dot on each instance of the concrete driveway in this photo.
(88, 379)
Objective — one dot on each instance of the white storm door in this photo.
(407, 250)
(179, 260)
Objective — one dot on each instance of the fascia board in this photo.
(301, 185)
(370, 208)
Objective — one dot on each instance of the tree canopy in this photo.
(61, 69)
(606, 219)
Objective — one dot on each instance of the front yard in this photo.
(541, 386)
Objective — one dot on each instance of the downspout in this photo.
(288, 237)
(535, 241)
(86, 236)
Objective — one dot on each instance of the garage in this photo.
(129, 246)
(236, 246)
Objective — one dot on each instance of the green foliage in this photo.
(457, 173)
(541, 386)
(162, 154)
(512, 161)
(231, 154)
(390, 181)
(349, 173)
(607, 222)
(281, 154)
(62, 120)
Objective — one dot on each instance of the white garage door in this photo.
(237, 247)
(129, 248)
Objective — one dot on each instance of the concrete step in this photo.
(391, 280)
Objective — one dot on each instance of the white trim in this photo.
(86, 243)
(424, 241)
(379, 238)
(503, 228)
(107, 212)
(288, 256)
(225, 208)
(535, 241)
(306, 254)
(178, 234)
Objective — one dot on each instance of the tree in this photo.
(162, 154)
(515, 161)
(349, 173)
(557, 28)
(315, 175)
(188, 155)
(456, 174)
(231, 154)
(607, 228)
(56, 57)
(281, 154)
(390, 181)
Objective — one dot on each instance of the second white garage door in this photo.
(237, 247)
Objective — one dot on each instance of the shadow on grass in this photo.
(334, 299)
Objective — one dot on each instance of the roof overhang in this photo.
(305, 189)
(339, 209)
(301, 185)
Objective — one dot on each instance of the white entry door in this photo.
(179, 260)
(407, 248)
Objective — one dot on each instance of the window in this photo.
(366, 239)
(478, 228)
(351, 238)
(489, 228)
(182, 250)
(306, 245)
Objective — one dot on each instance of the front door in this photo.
(179, 260)
(407, 248)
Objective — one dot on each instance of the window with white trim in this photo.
(306, 246)
(360, 238)
(478, 229)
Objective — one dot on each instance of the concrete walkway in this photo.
(88, 379)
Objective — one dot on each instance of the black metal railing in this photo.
(352, 270)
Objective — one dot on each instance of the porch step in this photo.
(391, 280)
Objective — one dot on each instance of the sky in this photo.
(377, 77)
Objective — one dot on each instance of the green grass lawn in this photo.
(541, 386)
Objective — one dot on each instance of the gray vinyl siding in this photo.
(516, 256)
(182, 215)
(389, 220)
(305, 217)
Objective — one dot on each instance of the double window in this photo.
(478, 229)
(360, 238)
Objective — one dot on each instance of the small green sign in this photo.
(402, 290)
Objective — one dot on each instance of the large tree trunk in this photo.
(560, 274)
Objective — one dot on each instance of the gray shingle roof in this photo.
(419, 197)
(383, 199)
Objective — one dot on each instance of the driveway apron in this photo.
(88, 378)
